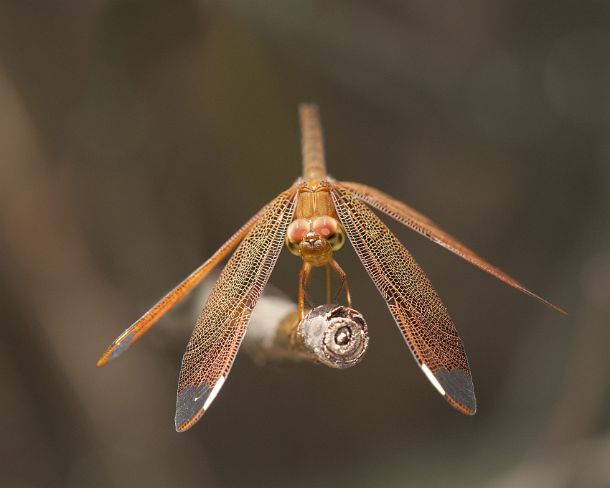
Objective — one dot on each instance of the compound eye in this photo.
(325, 226)
(295, 233)
(293, 247)
(337, 240)
(297, 230)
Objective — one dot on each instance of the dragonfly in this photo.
(313, 219)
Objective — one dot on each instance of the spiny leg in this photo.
(304, 276)
(344, 284)
(328, 285)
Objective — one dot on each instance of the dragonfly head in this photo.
(315, 239)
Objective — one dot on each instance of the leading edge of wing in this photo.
(141, 326)
(424, 226)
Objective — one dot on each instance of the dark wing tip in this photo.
(192, 402)
(459, 389)
(113, 352)
(554, 307)
(456, 386)
(550, 305)
(118, 347)
(189, 405)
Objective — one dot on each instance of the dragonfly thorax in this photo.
(315, 239)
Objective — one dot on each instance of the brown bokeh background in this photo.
(136, 136)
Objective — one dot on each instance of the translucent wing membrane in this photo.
(150, 318)
(419, 223)
(221, 326)
(417, 309)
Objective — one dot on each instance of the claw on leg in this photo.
(304, 276)
(328, 285)
(344, 284)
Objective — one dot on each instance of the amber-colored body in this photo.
(314, 235)
(312, 218)
(315, 232)
(313, 201)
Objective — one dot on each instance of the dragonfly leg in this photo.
(344, 284)
(328, 285)
(304, 276)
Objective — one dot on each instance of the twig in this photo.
(333, 335)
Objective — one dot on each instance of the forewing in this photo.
(417, 309)
(221, 326)
(150, 318)
(422, 224)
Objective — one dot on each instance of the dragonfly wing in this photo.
(150, 318)
(422, 224)
(417, 309)
(221, 326)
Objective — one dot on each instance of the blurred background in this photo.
(136, 136)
